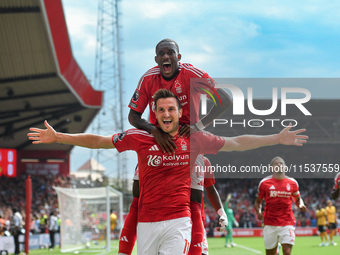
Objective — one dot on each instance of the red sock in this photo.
(197, 231)
(128, 235)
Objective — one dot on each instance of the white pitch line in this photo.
(249, 249)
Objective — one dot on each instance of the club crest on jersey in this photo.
(135, 96)
(178, 87)
(154, 160)
(288, 187)
(184, 145)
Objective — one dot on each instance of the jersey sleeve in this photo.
(207, 143)
(318, 213)
(140, 99)
(336, 182)
(200, 81)
(260, 191)
(127, 140)
(295, 191)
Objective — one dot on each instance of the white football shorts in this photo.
(169, 237)
(274, 234)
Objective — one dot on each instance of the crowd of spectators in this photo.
(44, 200)
(243, 194)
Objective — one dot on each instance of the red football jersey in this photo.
(336, 182)
(164, 180)
(278, 196)
(152, 81)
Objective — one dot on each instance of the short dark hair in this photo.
(167, 40)
(164, 93)
(275, 158)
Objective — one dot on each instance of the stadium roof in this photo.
(39, 78)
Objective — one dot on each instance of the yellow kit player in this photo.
(321, 223)
(331, 218)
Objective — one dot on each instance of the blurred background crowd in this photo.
(243, 193)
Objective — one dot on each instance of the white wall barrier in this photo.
(36, 242)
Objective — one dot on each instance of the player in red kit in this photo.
(278, 191)
(336, 187)
(215, 200)
(203, 177)
(172, 75)
(175, 76)
(164, 204)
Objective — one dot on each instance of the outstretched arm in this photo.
(249, 142)
(49, 135)
(163, 139)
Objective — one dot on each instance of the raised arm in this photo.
(49, 135)
(249, 142)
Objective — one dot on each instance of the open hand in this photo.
(287, 137)
(39, 136)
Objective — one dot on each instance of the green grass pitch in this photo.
(245, 246)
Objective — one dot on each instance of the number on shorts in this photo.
(186, 246)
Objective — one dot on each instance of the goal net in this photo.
(85, 215)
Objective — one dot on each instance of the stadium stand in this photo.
(40, 79)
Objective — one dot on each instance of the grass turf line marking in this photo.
(249, 249)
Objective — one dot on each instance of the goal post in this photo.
(109, 191)
(85, 215)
